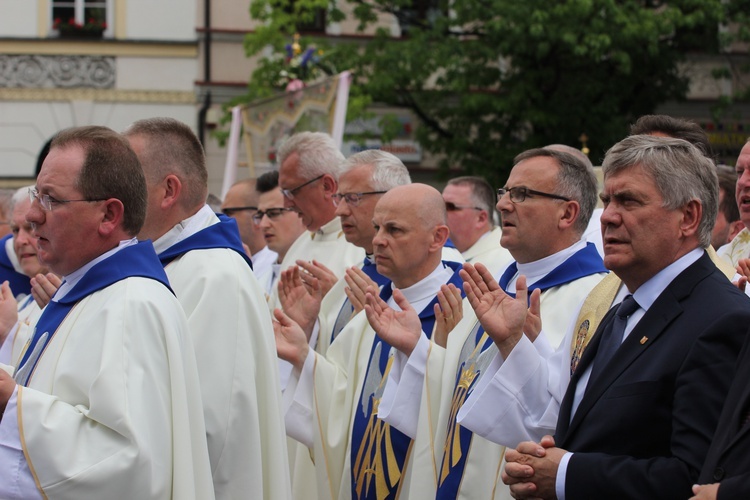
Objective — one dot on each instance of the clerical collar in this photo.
(186, 228)
(422, 292)
(72, 279)
(369, 259)
(534, 271)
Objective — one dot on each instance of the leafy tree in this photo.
(491, 78)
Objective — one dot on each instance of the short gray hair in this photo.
(679, 169)
(318, 154)
(482, 194)
(576, 180)
(20, 195)
(388, 171)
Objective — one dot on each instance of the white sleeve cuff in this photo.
(402, 396)
(562, 470)
(297, 403)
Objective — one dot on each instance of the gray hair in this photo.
(318, 154)
(482, 194)
(679, 169)
(388, 171)
(21, 194)
(575, 180)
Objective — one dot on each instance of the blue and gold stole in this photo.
(379, 452)
(475, 358)
(137, 260)
(347, 309)
(224, 234)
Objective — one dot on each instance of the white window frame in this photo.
(79, 7)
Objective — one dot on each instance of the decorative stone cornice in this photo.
(99, 95)
(34, 71)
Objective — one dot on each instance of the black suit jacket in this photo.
(728, 460)
(643, 428)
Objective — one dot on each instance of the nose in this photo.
(743, 181)
(610, 216)
(36, 214)
(343, 208)
(378, 240)
(504, 204)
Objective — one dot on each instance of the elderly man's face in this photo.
(24, 243)
(308, 194)
(356, 220)
(66, 233)
(640, 235)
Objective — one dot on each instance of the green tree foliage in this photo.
(491, 78)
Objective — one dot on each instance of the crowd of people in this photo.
(339, 332)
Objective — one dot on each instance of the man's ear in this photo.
(171, 186)
(113, 212)
(570, 214)
(440, 236)
(329, 185)
(691, 217)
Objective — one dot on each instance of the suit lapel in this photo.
(651, 326)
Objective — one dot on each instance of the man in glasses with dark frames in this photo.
(279, 225)
(241, 203)
(107, 397)
(229, 322)
(545, 206)
(470, 203)
(309, 167)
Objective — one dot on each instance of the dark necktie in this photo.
(612, 337)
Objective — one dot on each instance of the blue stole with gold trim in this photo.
(584, 262)
(346, 311)
(224, 234)
(378, 451)
(137, 260)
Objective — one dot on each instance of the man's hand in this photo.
(448, 312)
(43, 287)
(705, 491)
(291, 341)
(501, 315)
(300, 301)
(7, 386)
(325, 277)
(357, 284)
(8, 311)
(401, 329)
(533, 324)
(531, 469)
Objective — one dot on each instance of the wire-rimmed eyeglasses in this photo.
(47, 202)
(352, 199)
(519, 194)
(289, 193)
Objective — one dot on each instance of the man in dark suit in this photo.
(637, 424)
(727, 466)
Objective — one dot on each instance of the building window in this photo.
(84, 17)
(315, 18)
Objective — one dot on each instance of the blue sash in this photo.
(222, 235)
(378, 451)
(347, 309)
(133, 261)
(19, 283)
(585, 262)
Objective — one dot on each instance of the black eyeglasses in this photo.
(452, 207)
(352, 199)
(47, 202)
(229, 211)
(271, 213)
(289, 193)
(519, 194)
